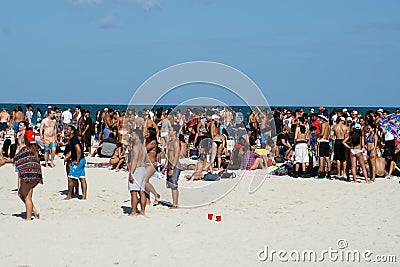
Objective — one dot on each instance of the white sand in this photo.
(284, 213)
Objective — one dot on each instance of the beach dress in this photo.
(28, 167)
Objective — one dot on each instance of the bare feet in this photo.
(67, 198)
(133, 214)
(173, 207)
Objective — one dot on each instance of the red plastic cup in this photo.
(210, 216)
(218, 218)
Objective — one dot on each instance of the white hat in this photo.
(343, 119)
(323, 117)
(49, 107)
(349, 119)
(215, 116)
(380, 110)
(357, 126)
(345, 110)
(355, 112)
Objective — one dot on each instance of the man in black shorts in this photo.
(324, 148)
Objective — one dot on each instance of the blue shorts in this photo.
(107, 133)
(16, 124)
(77, 171)
(52, 145)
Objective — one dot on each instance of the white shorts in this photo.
(301, 153)
(164, 134)
(139, 179)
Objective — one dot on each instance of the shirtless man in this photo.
(324, 148)
(48, 133)
(17, 118)
(4, 120)
(108, 120)
(340, 131)
(172, 166)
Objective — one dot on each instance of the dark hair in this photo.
(152, 133)
(72, 127)
(34, 148)
(313, 128)
(111, 135)
(19, 108)
(78, 107)
(303, 129)
(355, 137)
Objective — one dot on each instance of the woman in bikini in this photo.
(353, 141)
(371, 142)
(220, 139)
(117, 160)
(151, 167)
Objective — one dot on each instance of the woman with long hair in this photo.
(151, 167)
(371, 143)
(29, 174)
(354, 142)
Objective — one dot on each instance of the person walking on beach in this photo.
(172, 166)
(27, 164)
(77, 170)
(137, 173)
(340, 131)
(17, 118)
(29, 114)
(324, 148)
(48, 133)
(4, 120)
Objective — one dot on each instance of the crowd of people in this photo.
(339, 144)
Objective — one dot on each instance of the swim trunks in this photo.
(324, 149)
(107, 133)
(3, 126)
(16, 124)
(172, 181)
(340, 150)
(77, 171)
(139, 180)
(50, 146)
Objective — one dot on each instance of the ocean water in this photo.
(93, 108)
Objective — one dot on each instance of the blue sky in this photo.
(334, 53)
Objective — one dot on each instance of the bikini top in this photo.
(370, 140)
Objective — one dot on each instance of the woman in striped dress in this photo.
(27, 163)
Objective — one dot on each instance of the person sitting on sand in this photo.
(250, 159)
(202, 167)
(106, 147)
(118, 158)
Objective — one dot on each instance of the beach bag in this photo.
(211, 177)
